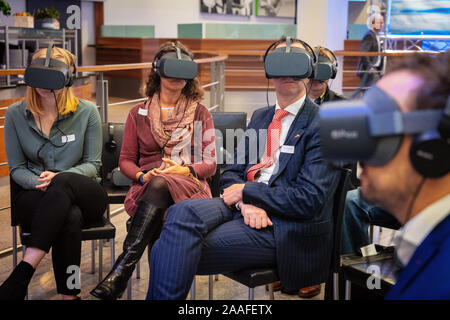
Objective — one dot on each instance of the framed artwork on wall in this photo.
(227, 7)
(276, 8)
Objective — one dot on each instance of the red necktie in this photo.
(272, 144)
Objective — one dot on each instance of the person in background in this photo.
(369, 67)
(158, 155)
(319, 90)
(53, 143)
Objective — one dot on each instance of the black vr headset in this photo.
(289, 61)
(50, 74)
(175, 65)
(371, 131)
(325, 68)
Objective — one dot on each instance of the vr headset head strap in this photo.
(49, 53)
(288, 42)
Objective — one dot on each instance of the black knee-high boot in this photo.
(15, 287)
(146, 222)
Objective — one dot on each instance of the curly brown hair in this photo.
(192, 89)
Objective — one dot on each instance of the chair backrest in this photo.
(338, 213)
(112, 143)
(222, 122)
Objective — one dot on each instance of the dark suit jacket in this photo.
(329, 95)
(369, 43)
(298, 197)
(427, 275)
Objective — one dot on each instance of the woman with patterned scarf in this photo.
(160, 153)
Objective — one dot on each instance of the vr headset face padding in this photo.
(55, 76)
(297, 63)
(169, 66)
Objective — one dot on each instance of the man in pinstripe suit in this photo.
(281, 217)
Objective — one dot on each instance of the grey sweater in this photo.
(74, 143)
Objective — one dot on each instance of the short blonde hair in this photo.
(66, 100)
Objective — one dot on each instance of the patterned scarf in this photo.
(174, 134)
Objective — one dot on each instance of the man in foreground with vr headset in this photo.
(401, 135)
(276, 204)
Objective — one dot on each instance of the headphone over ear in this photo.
(430, 150)
(325, 62)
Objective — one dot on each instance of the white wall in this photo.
(87, 33)
(324, 23)
(165, 15)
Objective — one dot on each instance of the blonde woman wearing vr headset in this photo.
(53, 144)
(162, 166)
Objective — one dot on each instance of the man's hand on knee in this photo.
(255, 217)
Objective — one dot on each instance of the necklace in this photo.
(169, 110)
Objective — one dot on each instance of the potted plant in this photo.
(47, 18)
(5, 8)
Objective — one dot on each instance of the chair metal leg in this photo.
(193, 290)
(113, 252)
(92, 256)
(271, 295)
(14, 239)
(335, 286)
(129, 287)
(24, 249)
(251, 294)
(210, 287)
(348, 290)
(100, 260)
(138, 270)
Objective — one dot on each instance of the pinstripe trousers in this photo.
(204, 236)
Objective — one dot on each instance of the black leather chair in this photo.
(222, 122)
(345, 185)
(257, 277)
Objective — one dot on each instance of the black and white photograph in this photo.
(228, 7)
(275, 8)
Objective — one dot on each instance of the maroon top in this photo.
(141, 152)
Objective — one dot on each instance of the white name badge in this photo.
(69, 138)
(142, 112)
(287, 149)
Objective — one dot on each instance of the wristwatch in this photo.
(236, 205)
